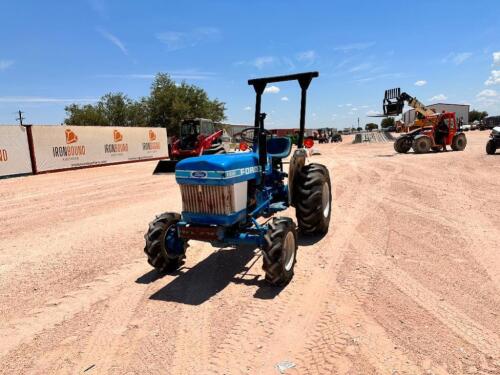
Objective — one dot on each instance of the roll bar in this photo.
(259, 85)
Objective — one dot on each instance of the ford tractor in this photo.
(231, 200)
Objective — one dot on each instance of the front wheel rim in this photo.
(325, 200)
(289, 251)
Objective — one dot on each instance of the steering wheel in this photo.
(247, 134)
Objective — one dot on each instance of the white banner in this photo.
(14, 151)
(64, 147)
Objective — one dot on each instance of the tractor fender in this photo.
(297, 161)
(420, 136)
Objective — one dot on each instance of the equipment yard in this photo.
(406, 281)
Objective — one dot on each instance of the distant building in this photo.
(461, 110)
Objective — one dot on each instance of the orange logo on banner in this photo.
(3, 155)
(152, 136)
(117, 136)
(71, 137)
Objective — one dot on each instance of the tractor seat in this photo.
(279, 147)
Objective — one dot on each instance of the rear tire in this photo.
(402, 145)
(280, 256)
(491, 147)
(459, 142)
(313, 199)
(165, 250)
(422, 145)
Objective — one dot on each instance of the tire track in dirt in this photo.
(108, 335)
(338, 340)
(58, 310)
(487, 342)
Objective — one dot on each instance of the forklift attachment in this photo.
(393, 102)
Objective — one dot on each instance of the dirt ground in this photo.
(407, 281)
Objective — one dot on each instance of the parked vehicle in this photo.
(494, 142)
(223, 196)
(491, 122)
(424, 138)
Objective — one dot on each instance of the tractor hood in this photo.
(222, 169)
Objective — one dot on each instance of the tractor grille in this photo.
(208, 199)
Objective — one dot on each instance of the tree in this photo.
(111, 110)
(370, 126)
(388, 122)
(167, 104)
(477, 115)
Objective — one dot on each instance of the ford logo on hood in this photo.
(199, 174)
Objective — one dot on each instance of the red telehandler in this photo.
(197, 137)
(432, 130)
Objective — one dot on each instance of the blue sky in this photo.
(53, 53)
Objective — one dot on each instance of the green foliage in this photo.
(370, 126)
(170, 103)
(477, 115)
(167, 104)
(387, 122)
(112, 110)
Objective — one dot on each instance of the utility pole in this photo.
(20, 118)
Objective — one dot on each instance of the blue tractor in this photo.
(231, 199)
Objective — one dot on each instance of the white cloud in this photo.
(272, 90)
(496, 58)
(372, 113)
(35, 99)
(188, 74)
(5, 64)
(488, 98)
(284, 98)
(494, 78)
(247, 108)
(261, 62)
(487, 94)
(457, 58)
(175, 40)
(360, 67)
(438, 97)
(113, 39)
(379, 76)
(307, 57)
(421, 83)
(354, 46)
(461, 57)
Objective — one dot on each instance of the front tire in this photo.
(491, 147)
(165, 250)
(314, 199)
(422, 145)
(459, 142)
(281, 255)
(401, 145)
